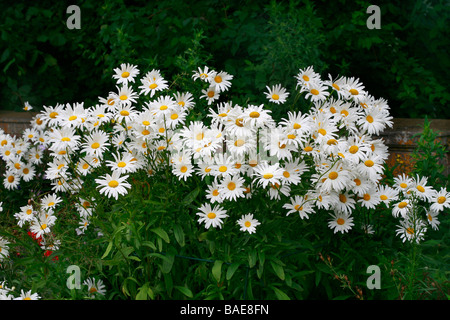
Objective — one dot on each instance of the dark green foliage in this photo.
(260, 43)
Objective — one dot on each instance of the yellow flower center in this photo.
(123, 97)
(146, 123)
(124, 113)
(95, 145)
(222, 115)
(162, 108)
(441, 200)
(254, 114)
(92, 290)
(305, 77)
(344, 113)
(297, 126)
(211, 94)
(65, 139)
(342, 198)
(275, 96)
(239, 122)
(121, 164)
(357, 182)
(113, 184)
(29, 211)
(336, 86)
(286, 174)
(211, 215)
(383, 197)
(333, 175)
(153, 86)
(340, 221)
(174, 116)
(53, 114)
(71, 118)
(218, 79)
(322, 131)
(353, 149)
(239, 143)
(85, 166)
(369, 163)
(215, 193)
(354, 92)
(125, 74)
(11, 179)
(17, 166)
(145, 132)
(369, 119)
(410, 230)
(247, 224)
(231, 186)
(420, 188)
(183, 169)
(43, 226)
(332, 142)
(403, 185)
(402, 204)
(223, 168)
(308, 149)
(315, 92)
(366, 197)
(268, 176)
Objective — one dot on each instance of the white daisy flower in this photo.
(126, 73)
(95, 287)
(211, 216)
(341, 222)
(203, 74)
(248, 223)
(440, 200)
(113, 185)
(211, 94)
(276, 94)
(28, 295)
(220, 80)
(265, 174)
(432, 218)
(96, 143)
(232, 187)
(412, 230)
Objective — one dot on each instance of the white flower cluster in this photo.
(242, 149)
(7, 293)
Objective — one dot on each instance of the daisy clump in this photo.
(326, 162)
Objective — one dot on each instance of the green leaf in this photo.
(217, 270)
(191, 196)
(279, 271)
(168, 263)
(108, 249)
(161, 233)
(179, 234)
(232, 269)
(186, 291)
(143, 292)
(252, 256)
(280, 294)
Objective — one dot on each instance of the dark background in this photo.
(259, 42)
